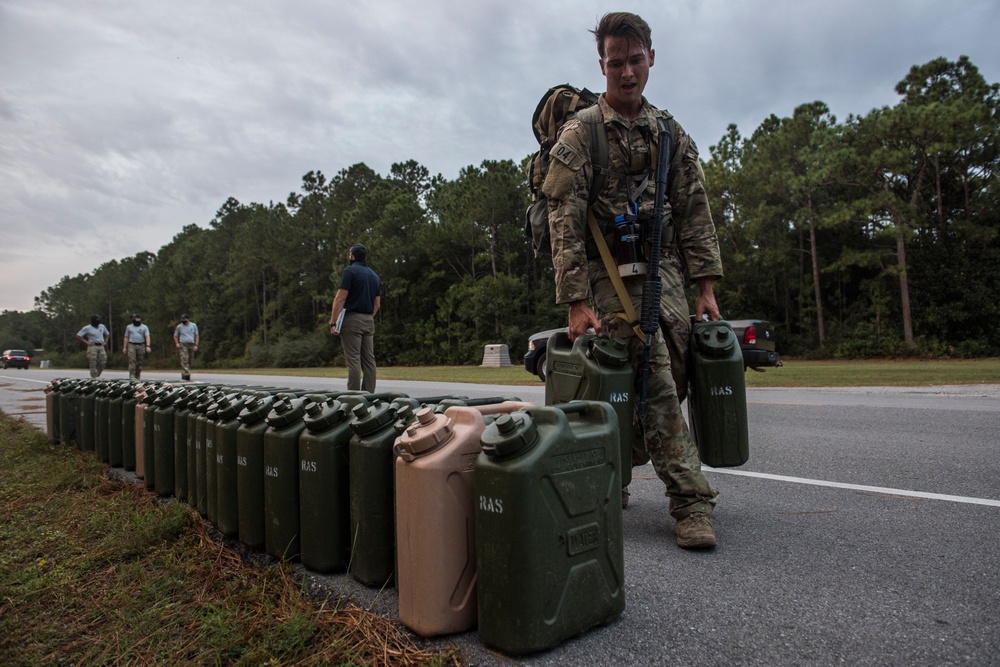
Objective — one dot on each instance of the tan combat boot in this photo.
(695, 532)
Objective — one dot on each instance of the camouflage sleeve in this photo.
(566, 187)
(696, 238)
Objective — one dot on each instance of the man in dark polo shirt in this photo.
(353, 318)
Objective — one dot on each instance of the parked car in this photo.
(757, 342)
(534, 358)
(15, 359)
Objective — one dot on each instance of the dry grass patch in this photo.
(95, 571)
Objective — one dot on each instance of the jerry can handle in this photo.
(581, 407)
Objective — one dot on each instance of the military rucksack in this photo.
(558, 105)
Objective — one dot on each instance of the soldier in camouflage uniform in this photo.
(625, 47)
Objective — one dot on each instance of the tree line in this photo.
(874, 236)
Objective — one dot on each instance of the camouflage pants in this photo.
(97, 358)
(186, 354)
(666, 440)
(136, 356)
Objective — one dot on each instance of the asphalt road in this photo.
(864, 530)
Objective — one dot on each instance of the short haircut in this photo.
(623, 24)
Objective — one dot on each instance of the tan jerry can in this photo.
(435, 517)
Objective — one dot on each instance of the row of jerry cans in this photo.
(80, 413)
(499, 515)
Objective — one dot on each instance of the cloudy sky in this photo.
(122, 121)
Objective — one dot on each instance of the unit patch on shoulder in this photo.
(567, 156)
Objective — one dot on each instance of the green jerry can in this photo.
(182, 408)
(211, 440)
(594, 368)
(198, 485)
(101, 442)
(128, 426)
(717, 399)
(549, 546)
(324, 485)
(68, 404)
(227, 517)
(148, 432)
(85, 415)
(223, 403)
(281, 477)
(435, 519)
(250, 469)
(115, 399)
(163, 441)
(139, 418)
(190, 443)
(52, 409)
(373, 523)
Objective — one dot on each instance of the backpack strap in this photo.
(609, 264)
(593, 120)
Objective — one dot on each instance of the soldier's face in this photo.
(626, 66)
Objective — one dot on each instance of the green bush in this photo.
(297, 350)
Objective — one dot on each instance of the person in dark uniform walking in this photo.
(352, 317)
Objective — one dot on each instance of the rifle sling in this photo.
(616, 280)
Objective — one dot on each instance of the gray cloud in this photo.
(122, 122)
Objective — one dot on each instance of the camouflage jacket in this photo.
(567, 186)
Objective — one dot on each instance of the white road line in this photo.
(860, 487)
(21, 379)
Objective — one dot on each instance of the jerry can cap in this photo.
(715, 339)
(168, 398)
(286, 410)
(189, 399)
(204, 400)
(509, 436)
(371, 418)
(404, 417)
(609, 351)
(255, 410)
(429, 431)
(321, 416)
(234, 404)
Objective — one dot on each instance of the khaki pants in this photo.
(358, 338)
(97, 358)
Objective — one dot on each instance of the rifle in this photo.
(650, 316)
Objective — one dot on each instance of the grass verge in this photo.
(794, 373)
(95, 571)
(878, 373)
